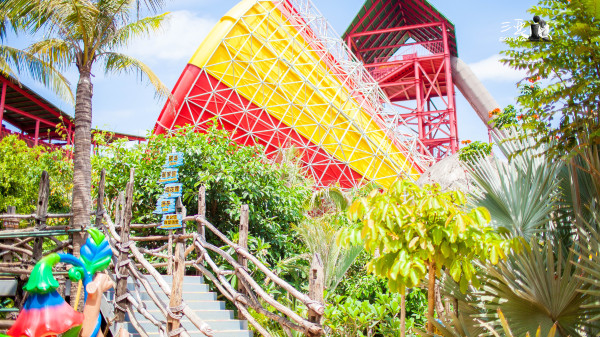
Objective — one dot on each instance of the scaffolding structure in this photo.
(407, 47)
(275, 73)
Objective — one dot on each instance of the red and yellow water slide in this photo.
(272, 73)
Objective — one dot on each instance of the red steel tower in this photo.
(406, 46)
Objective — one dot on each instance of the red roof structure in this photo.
(406, 46)
(36, 119)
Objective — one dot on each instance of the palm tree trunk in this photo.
(431, 297)
(82, 167)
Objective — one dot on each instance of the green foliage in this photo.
(233, 175)
(569, 66)
(358, 283)
(541, 281)
(474, 150)
(319, 235)
(413, 227)
(347, 316)
(520, 194)
(20, 171)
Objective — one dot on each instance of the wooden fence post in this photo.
(243, 240)
(123, 260)
(40, 214)
(100, 200)
(316, 286)
(202, 209)
(175, 306)
(170, 253)
(10, 224)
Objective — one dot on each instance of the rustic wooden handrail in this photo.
(129, 260)
(313, 305)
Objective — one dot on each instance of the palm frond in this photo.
(329, 195)
(537, 289)
(588, 261)
(320, 236)
(54, 51)
(521, 193)
(121, 63)
(14, 61)
(141, 28)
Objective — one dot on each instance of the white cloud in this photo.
(177, 40)
(493, 70)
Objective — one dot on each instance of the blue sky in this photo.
(124, 104)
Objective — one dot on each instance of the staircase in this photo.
(198, 297)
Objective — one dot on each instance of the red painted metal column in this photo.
(37, 131)
(2, 102)
(419, 97)
(69, 136)
(450, 92)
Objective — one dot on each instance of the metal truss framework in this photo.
(406, 47)
(278, 75)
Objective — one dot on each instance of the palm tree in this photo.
(86, 33)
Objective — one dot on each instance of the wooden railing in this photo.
(130, 262)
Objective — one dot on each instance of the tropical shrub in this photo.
(233, 175)
(20, 171)
(474, 150)
(418, 231)
(346, 316)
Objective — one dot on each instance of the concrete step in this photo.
(197, 296)
(241, 333)
(219, 325)
(204, 314)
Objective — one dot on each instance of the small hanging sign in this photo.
(168, 175)
(174, 159)
(171, 221)
(165, 205)
(172, 191)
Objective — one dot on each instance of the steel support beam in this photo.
(398, 45)
(37, 132)
(397, 29)
(450, 93)
(27, 114)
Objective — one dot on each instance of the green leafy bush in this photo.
(233, 175)
(347, 316)
(474, 150)
(20, 171)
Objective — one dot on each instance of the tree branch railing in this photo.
(24, 246)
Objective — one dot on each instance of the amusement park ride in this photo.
(373, 106)
(406, 46)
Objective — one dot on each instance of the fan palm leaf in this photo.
(522, 193)
(537, 288)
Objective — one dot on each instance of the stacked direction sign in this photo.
(166, 202)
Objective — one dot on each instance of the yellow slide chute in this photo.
(265, 54)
